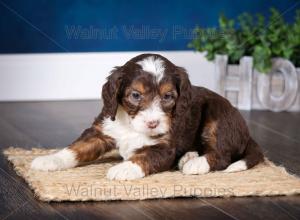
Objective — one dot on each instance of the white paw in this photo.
(185, 158)
(236, 167)
(125, 171)
(61, 160)
(197, 165)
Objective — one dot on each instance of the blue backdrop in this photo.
(28, 26)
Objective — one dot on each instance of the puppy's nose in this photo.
(152, 124)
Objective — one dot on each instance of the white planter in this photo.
(247, 89)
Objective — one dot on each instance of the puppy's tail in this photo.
(252, 156)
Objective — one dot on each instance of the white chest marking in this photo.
(127, 139)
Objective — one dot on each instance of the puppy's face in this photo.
(149, 104)
(148, 91)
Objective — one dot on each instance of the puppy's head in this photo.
(150, 90)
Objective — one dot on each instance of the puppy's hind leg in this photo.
(203, 164)
(185, 158)
(195, 165)
(211, 160)
(251, 157)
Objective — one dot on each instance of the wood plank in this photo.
(180, 208)
(281, 123)
(99, 210)
(257, 207)
(12, 137)
(50, 123)
(279, 149)
(289, 204)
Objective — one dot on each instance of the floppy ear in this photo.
(185, 91)
(110, 92)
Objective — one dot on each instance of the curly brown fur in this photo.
(154, 116)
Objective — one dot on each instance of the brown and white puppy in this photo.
(156, 118)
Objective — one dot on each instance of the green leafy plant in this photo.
(251, 36)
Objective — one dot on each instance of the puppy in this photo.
(155, 118)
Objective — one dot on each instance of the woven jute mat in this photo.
(88, 182)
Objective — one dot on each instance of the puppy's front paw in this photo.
(58, 161)
(197, 165)
(185, 158)
(125, 171)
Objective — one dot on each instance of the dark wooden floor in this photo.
(48, 124)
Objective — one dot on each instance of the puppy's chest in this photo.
(127, 140)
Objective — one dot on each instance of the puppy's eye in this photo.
(136, 95)
(168, 96)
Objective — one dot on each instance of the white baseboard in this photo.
(71, 76)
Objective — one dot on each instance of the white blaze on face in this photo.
(154, 66)
(153, 113)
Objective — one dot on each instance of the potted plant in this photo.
(255, 60)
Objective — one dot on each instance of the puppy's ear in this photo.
(184, 89)
(110, 93)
